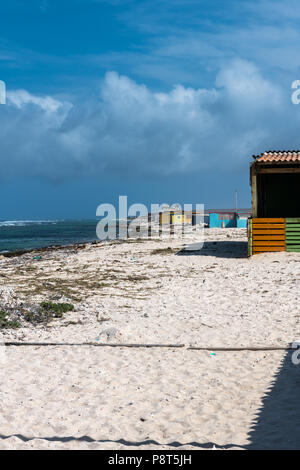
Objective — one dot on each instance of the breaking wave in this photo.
(24, 223)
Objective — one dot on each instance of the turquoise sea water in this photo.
(23, 235)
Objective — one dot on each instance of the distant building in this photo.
(177, 217)
(228, 219)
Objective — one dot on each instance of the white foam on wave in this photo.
(23, 223)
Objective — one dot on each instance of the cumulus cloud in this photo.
(20, 98)
(130, 129)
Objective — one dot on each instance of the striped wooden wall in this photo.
(267, 234)
(292, 230)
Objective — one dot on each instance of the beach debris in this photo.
(205, 324)
(110, 334)
(37, 258)
(57, 309)
(8, 297)
(102, 319)
(6, 322)
(164, 251)
(17, 316)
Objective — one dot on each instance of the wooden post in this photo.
(249, 237)
(253, 180)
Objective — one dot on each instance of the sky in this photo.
(162, 101)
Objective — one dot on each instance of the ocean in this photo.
(28, 234)
(17, 235)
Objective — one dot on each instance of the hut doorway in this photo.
(278, 195)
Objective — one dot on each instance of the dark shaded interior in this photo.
(278, 195)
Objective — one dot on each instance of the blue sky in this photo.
(165, 101)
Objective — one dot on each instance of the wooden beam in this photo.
(259, 243)
(277, 170)
(268, 220)
(269, 237)
(269, 226)
(267, 248)
(267, 232)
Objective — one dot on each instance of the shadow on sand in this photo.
(221, 249)
(124, 442)
(277, 425)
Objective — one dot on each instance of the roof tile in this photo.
(273, 156)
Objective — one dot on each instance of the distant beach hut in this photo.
(165, 218)
(175, 217)
(275, 187)
(222, 220)
(241, 221)
(181, 218)
(229, 219)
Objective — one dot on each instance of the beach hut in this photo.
(181, 218)
(165, 218)
(228, 219)
(175, 217)
(275, 187)
(222, 220)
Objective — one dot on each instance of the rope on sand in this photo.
(170, 346)
(242, 348)
(112, 345)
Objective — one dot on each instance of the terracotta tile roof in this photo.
(289, 156)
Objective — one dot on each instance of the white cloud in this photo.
(21, 98)
(243, 82)
(130, 129)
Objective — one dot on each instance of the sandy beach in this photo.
(151, 292)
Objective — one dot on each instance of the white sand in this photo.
(153, 398)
